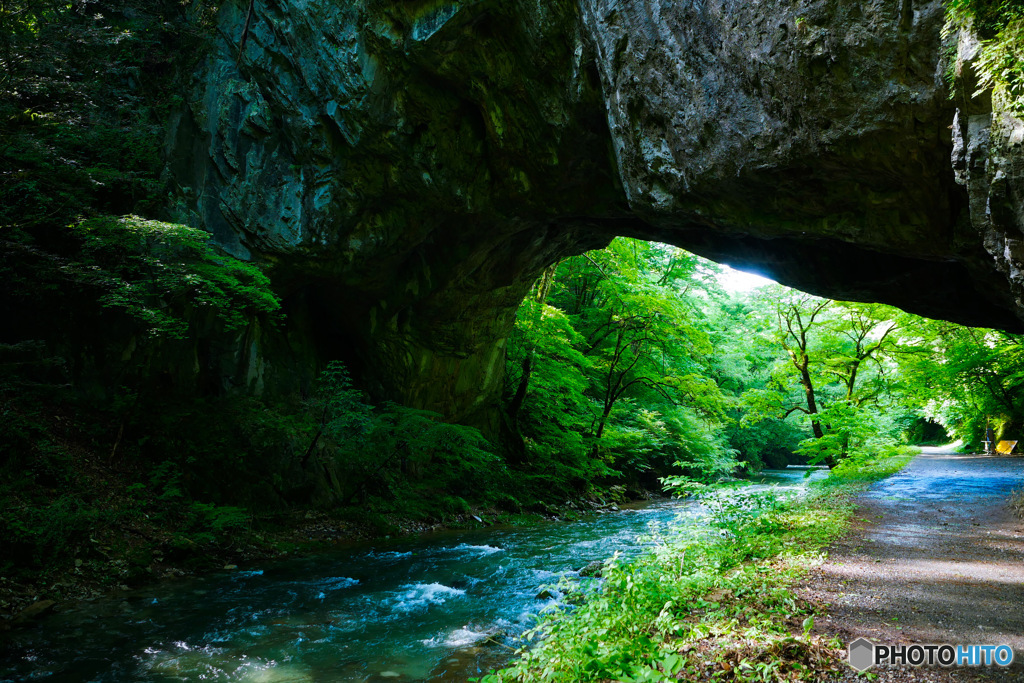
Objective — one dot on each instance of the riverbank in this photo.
(718, 605)
(434, 607)
(86, 510)
(142, 549)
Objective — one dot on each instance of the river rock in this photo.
(34, 611)
(593, 569)
(280, 674)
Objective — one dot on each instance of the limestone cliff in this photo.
(809, 139)
(408, 168)
(988, 160)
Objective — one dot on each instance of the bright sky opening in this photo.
(735, 281)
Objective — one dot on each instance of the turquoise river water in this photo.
(441, 607)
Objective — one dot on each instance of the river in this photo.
(441, 607)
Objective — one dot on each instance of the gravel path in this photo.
(935, 555)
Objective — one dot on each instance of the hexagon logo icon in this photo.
(862, 654)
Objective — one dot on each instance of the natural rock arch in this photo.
(407, 169)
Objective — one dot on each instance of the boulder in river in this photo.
(34, 611)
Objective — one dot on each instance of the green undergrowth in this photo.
(103, 493)
(712, 604)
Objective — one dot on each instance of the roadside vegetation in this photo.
(715, 603)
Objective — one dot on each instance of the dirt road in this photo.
(936, 556)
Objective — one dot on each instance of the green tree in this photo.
(393, 452)
(967, 379)
(797, 316)
(839, 357)
(620, 348)
(533, 336)
(743, 364)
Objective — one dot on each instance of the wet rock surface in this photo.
(936, 556)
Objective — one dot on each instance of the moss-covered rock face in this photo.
(409, 167)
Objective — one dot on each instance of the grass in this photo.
(713, 603)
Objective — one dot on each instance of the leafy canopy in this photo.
(154, 271)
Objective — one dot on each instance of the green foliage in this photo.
(835, 368)
(702, 603)
(211, 520)
(867, 466)
(156, 271)
(637, 367)
(34, 529)
(924, 432)
(767, 442)
(50, 531)
(1000, 65)
(60, 503)
(404, 443)
(742, 515)
(615, 363)
(850, 428)
(745, 364)
(398, 455)
(967, 380)
(86, 90)
(555, 421)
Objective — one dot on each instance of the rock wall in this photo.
(407, 169)
(988, 160)
(809, 139)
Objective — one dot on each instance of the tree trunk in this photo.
(601, 424)
(543, 289)
(524, 382)
(812, 404)
(600, 430)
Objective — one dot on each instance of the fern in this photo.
(1000, 65)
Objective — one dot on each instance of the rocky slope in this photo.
(409, 168)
